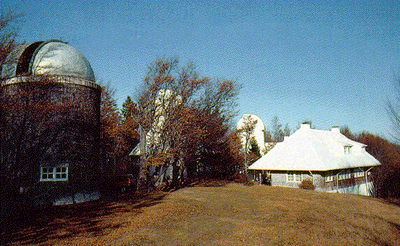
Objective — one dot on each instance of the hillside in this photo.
(228, 215)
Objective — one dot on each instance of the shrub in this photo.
(307, 184)
(242, 179)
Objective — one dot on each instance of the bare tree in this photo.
(286, 130)
(9, 22)
(276, 130)
(185, 119)
(109, 121)
(118, 132)
(393, 110)
(386, 177)
(247, 131)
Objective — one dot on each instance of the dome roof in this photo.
(258, 131)
(52, 58)
(259, 126)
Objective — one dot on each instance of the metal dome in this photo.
(52, 58)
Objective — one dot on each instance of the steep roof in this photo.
(315, 150)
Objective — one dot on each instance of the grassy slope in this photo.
(238, 215)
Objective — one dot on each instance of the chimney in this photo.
(305, 126)
(335, 129)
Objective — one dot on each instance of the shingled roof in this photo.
(315, 150)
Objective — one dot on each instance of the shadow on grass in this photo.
(38, 226)
(392, 201)
(208, 183)
(377, 237)
(373, 234)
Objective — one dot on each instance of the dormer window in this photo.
(347, 149)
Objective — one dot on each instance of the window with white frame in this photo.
(329, 177)
(345, 175)
(298, 177)
(359, 173)
(294, 177)
(54, 173)
(290, 177)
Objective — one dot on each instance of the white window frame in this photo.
(298, 177)
(359, 173)
(290, 177)
(54, 173)
(329, 177)
(345, 175)
(294, 177)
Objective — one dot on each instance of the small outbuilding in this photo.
(329, 159)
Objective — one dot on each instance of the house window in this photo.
(345, 175)
(347, 149)
(54, 173)
(294, 177)
(290, 177)
(46, 173)
(297, 177)
(329, 177)
(359, 173)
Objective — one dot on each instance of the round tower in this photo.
(257, 133)
(49, 120)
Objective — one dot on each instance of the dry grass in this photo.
(227, 215)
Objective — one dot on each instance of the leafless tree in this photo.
(393, 110)
(247, 131)
(185, 118)
(9, 23)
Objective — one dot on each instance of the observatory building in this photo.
(258, 132)
(50, 119)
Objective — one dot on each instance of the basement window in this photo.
(54, 173)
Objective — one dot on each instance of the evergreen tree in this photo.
(276, 130)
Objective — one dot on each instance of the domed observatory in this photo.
(50, 119)
(257, 133)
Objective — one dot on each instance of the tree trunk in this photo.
(143, 172)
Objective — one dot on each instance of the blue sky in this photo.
(331, 62)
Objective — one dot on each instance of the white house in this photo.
(332, 161)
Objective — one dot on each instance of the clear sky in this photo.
(331, 62)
